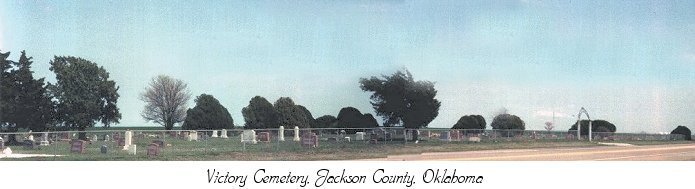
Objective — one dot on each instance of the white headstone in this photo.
(30, 137)
(44, 139)
(347, 139)
(214, 134)
(132, 150)
(128, 140)
(106, 138)
(359, 136)
(223, 133)
(296, 134)
(95, 138)
(193, 135)
(281, 133)
(7, 151)
(249, 136)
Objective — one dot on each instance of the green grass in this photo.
(232, 149)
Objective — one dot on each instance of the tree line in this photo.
(84, 95)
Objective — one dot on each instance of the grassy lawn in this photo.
(232, 149)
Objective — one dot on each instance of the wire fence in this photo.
(163, 144)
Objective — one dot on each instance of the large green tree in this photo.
(290, 114)
(326, 121)
(350, 117)
(259, 114)
(475, 123)
(400, 100)
(33, 109)
(84, 92)
(6, 92)
(597, 126)
(508, 125)
(683, 130)
(208, 113)
(24, 100)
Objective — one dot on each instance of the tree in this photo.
(597, 126)
(33, 108)
(683, 130)
(307, 114)
(549, 126)
(166, 101)
(260, 114)
(208, 113)
(326, 121)
(6, 93)
(84, 93)
(350, 117)
(400, 100)
(508, 122)
(474, 122)
(289, 114)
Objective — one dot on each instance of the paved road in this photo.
(672, 152)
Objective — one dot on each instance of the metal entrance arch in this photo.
(579, 125)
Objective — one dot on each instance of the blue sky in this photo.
(632, 63)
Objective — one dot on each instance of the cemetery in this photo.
(274, 144)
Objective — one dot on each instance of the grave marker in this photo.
(249, 136)
(153, 150)
(359, 136)
(214, 134)
(161, 143)
(310, 139)
(2, 143)
(132, 150)
(193, 135)
(77, 146)
(296, 134)
(44, 139)
(281, 133)
(264, 137)
(224, 133)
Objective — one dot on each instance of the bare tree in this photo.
(166, 101)
(549, 126)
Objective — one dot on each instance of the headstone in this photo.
(128, 140)
(7, 151)
(193, 136)
(132, 150)
(347, 139)
(77, 146)
(106, 138)
(30, 144)
(455, 135)
(296, 134)
(2, 143)
(264, 137)
(223, 133)
(160, 143)
(44, 139)
(104, 148)
(153, 149)
(95, 138)
(473, 139)
(310, 139)
(214, 134)
(30, 137)
(249, 136)
(281, 133)
(359, 136)
(445, 136)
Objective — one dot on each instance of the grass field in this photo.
(232, 149)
